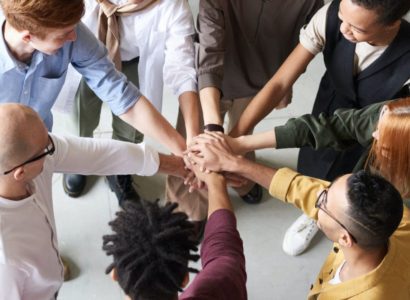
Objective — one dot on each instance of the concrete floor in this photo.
(81, 222)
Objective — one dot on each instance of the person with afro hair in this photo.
(152, 246)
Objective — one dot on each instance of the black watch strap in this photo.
(214, 127)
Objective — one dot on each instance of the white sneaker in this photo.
(299, 235)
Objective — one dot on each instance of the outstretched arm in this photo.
(343, 129)
(217, 190)
(144, 117)
(210, 58)
(274, 91)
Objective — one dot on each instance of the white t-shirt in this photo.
(336, 279)
(30, 264)
(313, 38)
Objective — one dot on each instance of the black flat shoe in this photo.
(122, 186)
(254, 196)
(74, 184)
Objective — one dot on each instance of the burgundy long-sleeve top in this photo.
(223, 274)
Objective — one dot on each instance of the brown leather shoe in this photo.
(67, 271)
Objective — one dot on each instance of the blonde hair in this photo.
(38, 15)
(390, 154)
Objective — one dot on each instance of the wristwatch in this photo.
(214, 127)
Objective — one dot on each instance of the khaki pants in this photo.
(196, 204)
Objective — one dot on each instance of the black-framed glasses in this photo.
(321, 204)
(49, 150)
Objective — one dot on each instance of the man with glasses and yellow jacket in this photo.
(361, 213)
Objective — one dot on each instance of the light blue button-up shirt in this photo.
(39, 83)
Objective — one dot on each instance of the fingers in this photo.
(189, 179)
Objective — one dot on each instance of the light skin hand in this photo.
(172, 165)
(215, 156)
(234, 144)
(217, 191)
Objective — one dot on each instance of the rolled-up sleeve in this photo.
(344, 129)
(211, 47)
(313, 35)
(89, 58)
(301, 191)
(179, 68)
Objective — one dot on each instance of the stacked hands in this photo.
(210, 153)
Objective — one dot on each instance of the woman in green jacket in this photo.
(382, 128)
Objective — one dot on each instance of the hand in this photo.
(191, 180)
(234, 144)
(177, 167)
(194, 182)
(202, 176)
(211, 153)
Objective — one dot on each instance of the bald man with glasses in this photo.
(30, 263)
(363, 214)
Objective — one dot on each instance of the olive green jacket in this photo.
(344, 129)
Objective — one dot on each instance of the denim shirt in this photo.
(38, 84)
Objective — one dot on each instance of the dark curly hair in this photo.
(389, 11)
(375, 209)
(151, 246)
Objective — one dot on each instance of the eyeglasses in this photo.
(321, 204)
(49, 150)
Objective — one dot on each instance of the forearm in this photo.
(171, 165)
(253, 171)
(217, 194)
(274, 91)
(210, 101)
(189, 106)
(248, 143)
(144, 117)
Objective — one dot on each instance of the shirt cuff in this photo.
(189, 86)
(309, 43)
(151, 161)
(209, 80)
(281, 182)
(285, 137)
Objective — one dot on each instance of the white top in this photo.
(162, 36)
(30, 265)
(313, 38)
(336, 279)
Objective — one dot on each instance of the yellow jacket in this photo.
(390, 280)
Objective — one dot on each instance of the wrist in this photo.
(215, 180)
(214, 127)
(240, 145)
(232, 164)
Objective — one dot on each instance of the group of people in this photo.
(242, 60)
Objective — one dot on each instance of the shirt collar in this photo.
(7, 203)
(7, 61)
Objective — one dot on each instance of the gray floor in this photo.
(271, 274)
